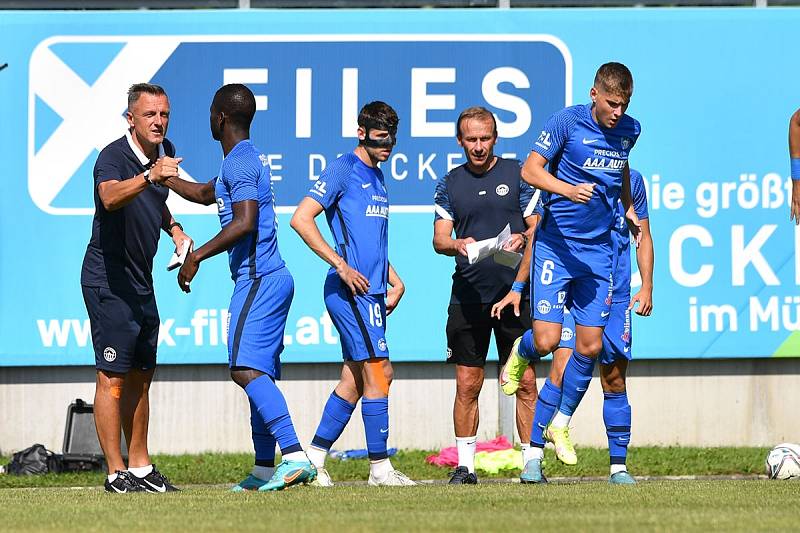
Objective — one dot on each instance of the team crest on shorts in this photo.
(382, 344)
(566, 334)
(449, 353)
(501, 189)
(109, 354)
(543, 306)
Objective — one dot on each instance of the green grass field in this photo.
(48, 502)
(757, 505)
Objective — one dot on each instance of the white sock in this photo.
(560, 420)
(112, 477)
(466, 452)
(618, 468)
(295, 456)
(381, 468)
(317, 456)
(531, 452)
(141, 471)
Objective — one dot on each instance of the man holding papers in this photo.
(483, 199)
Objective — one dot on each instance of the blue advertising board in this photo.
(710, 93)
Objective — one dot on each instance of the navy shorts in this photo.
(359, 319)
(470, 326)
(258, 312)
(124, 329)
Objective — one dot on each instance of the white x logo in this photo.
(92, 116)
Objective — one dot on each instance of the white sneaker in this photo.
(323, 479)
(394, 478)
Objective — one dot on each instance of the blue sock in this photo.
(375, 412)
(617, 417)
(526, 349)
(263, 441)
(269, 401)
(335, 417)
(577, 375)
(546, 405)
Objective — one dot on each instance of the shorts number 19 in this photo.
(375, 315)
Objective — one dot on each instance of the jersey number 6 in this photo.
(547, 272)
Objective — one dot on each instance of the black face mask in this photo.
(387, 142)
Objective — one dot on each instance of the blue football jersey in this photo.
(581, 151)
(622, 238)
(356, 205)
(245, 175)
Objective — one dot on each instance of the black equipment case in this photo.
(81, 449)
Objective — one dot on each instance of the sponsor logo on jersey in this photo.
(602, 163)
(501, 189)
(377, 211)
(589, 141)
(319, 188)
(544, 141)
(109, 354)
(543, 306)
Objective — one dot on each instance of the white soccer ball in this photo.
(783, 461)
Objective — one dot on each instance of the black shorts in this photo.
(124, 329)
(469, 328)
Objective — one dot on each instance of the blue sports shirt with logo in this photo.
(245, 175)
(622, 238)
(356, 205)
(579, 150)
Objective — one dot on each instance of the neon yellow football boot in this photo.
(565, 451)
(513, 370)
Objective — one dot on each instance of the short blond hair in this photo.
(476, 112)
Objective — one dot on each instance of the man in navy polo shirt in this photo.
(117, 283)
(477, 200)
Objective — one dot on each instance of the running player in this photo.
(360, 290)
(264, 287)
(617, 340)
(587, 148)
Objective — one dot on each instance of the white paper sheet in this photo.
(480, 250)
(179, 256)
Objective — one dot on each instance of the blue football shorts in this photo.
(567, 270)
(359, 319)
(258, 312)
(617, 335)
